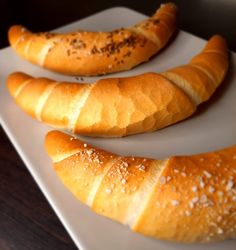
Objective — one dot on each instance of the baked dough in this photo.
(95, 53)
(115, 107)
(181, 198)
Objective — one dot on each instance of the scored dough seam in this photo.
(21, 87)
(44, 52)
(97, 182)
(142, 32)
(79, 103)
(143, 195)
(43, 99)
(187, 89)
(207, 73)
(148, 194)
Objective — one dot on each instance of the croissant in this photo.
(182, 198)
(117, 107)
(95, 53)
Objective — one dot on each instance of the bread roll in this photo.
(181, 198)
(95, 53)
(116, 107)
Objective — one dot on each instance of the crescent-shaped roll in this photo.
(115, 107)
(94, 53)
(182, 198)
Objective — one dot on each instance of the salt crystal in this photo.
(207, 174)
(175, 203)
(188, 213)
(108, 190)
(194, 188)
(211, 189)
(195, 200)
(163, 180)
(229, 185)
(168, 178)
(203, 198)
(183, 174)
(123, 181)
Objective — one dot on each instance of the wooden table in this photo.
(26, 219)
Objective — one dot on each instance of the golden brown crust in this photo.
(204, 72)
(199, 197)
(116, 107)
(101, 109)
(184, 198)
(95, 53)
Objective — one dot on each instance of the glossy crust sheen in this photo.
(95, 53)
(116, 107)
(183, 198)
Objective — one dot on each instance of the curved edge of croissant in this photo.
(182, 198)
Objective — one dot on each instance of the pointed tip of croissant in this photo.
(15, 81)
(169, 6)
(217, 43)
(59, 145)
(15, 32)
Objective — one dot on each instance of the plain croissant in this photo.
(116, 107)
(182, 198)
(95, 53)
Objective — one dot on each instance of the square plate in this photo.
(212, 127)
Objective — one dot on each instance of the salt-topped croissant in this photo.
(181, 198)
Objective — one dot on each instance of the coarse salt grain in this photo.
(202, 184)
(85, 145)
(125, 164)
(207, 174)
(191, 205)
(218, 164)
(195, 200)
(141, 167)
(194, 188)
(219, 218)
(229, 185)
(123, 181)
(211, 189)
(163, 180)
(183, 174)
(203, 198)
(188, 213)
(175, 203)
(90, 152)
(168, 178)
(108, 190)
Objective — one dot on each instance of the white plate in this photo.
(212, 127)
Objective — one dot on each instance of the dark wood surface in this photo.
(26, 219)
